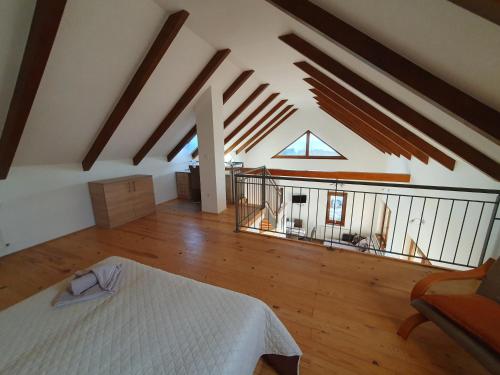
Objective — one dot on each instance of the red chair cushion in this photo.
(477, 314)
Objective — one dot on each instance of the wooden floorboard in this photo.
(342, 308)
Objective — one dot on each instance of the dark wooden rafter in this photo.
(391, 125)
(194, 154)
(265, 127)
(240, 109)
(488, 9)
(406, 148)
(164, 39)
(182, 103)
(401, 110)
(359, 124)
(245, 104)
(283, 119)
(255, 126)
(230, 91)
(477, 115)
(250, 117)
(353, 123)
(183, 142)
(237, 83)
(376, 134)
(347, 122)
(46, 19)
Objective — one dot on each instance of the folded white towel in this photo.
(106, 282)
(80, 284)
(105, 274)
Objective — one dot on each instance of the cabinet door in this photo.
(144, 201)
(120, 202)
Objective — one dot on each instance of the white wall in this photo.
(210, 130)
(98, 47)
(358, 217)
(465, 176)
(39, 203)
(361, 156)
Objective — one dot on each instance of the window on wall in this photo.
(335, 208)
(309, 146)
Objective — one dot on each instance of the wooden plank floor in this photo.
(342, 308)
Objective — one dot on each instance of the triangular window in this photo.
(309, 146)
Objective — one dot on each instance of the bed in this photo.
(157, 323)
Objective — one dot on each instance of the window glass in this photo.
(192, 145)
(336, 204)
(319, 148)
(297, 148)
(309, 146)
(336, 208)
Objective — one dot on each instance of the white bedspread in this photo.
(158, 323)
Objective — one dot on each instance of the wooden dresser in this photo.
(119, 200)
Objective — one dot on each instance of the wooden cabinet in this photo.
(120, 200)
(182, 180)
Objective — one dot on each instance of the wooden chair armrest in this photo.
(423, 285)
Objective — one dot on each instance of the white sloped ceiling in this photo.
(100, 44)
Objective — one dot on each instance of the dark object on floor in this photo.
(297, 223)
(348, 237)
(194, 181)
(282, 364)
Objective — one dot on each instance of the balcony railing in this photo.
(443, 226)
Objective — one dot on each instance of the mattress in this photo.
(157, 323)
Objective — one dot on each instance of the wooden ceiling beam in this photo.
(342, 175)
(161, 44)
(182, 143)
(250, 117)
(255, 126)
(403, 145)
(337, 175)
(182, 103)
(230, 91)
(326, 83)
(245, 104)
(265, 127)
(488, 9)
(237, 83)
(356, 123)
(404, 112)
(44, 25)
(476, 114)
(347, 122)
(240, 109)
(283, 119)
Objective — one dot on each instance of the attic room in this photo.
(249, 187)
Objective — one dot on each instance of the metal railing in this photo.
(444, 226)
(258, 196)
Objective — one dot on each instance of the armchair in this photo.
(471, 320)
